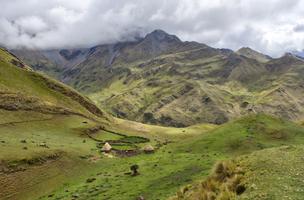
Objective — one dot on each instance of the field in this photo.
(76, 169)
(52, 154)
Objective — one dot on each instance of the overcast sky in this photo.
(270, 26)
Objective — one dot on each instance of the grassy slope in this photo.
(20, 87)
(64, 135)
(183, 161)
(274, 173)
(37, 111)
(252, 134)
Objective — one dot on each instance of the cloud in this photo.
(273, 26)
(299, 28)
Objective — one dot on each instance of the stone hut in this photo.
(149, 149)
(106, 148)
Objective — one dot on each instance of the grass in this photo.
(273, 173)
(61, 134)
(174, 164)
(248, 134)
(184, 156)
(58, 132)
(65, 134)
(26, 85)
(161, 133)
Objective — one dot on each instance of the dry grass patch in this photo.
(225, 183)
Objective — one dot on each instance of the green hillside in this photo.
(181, 162)
(274, 173)
(41, 127)
(264, 172)
(23, 89)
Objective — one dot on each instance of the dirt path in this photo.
(26, 121)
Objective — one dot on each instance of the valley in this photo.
(162, 80)
(155, 118)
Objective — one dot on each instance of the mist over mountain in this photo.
(270, 28)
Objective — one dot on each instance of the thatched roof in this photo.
(106, 147)
(149, 148)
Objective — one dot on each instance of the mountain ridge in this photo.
(146, 80)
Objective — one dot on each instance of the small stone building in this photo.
(149, 149)
(106, 148)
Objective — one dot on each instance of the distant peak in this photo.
(250, 53)
(288, 54)
(161, 35)
(246, 49)
(159, 31)
(291, 56)
(299, 54)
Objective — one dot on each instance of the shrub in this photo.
(134, 169)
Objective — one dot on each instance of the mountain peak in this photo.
(299, 54)
(250, 53)
(160, 35)
(247, 50)
(290, 56)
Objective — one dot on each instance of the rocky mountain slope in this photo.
(160, 79)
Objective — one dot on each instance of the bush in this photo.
(134, 169)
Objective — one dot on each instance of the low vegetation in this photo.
(52, 137)
(273, 173)
(224, 183)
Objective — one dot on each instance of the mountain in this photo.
(298, 53)
(160, 79)
(53, 62)
(52, 137)
(250, 53)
